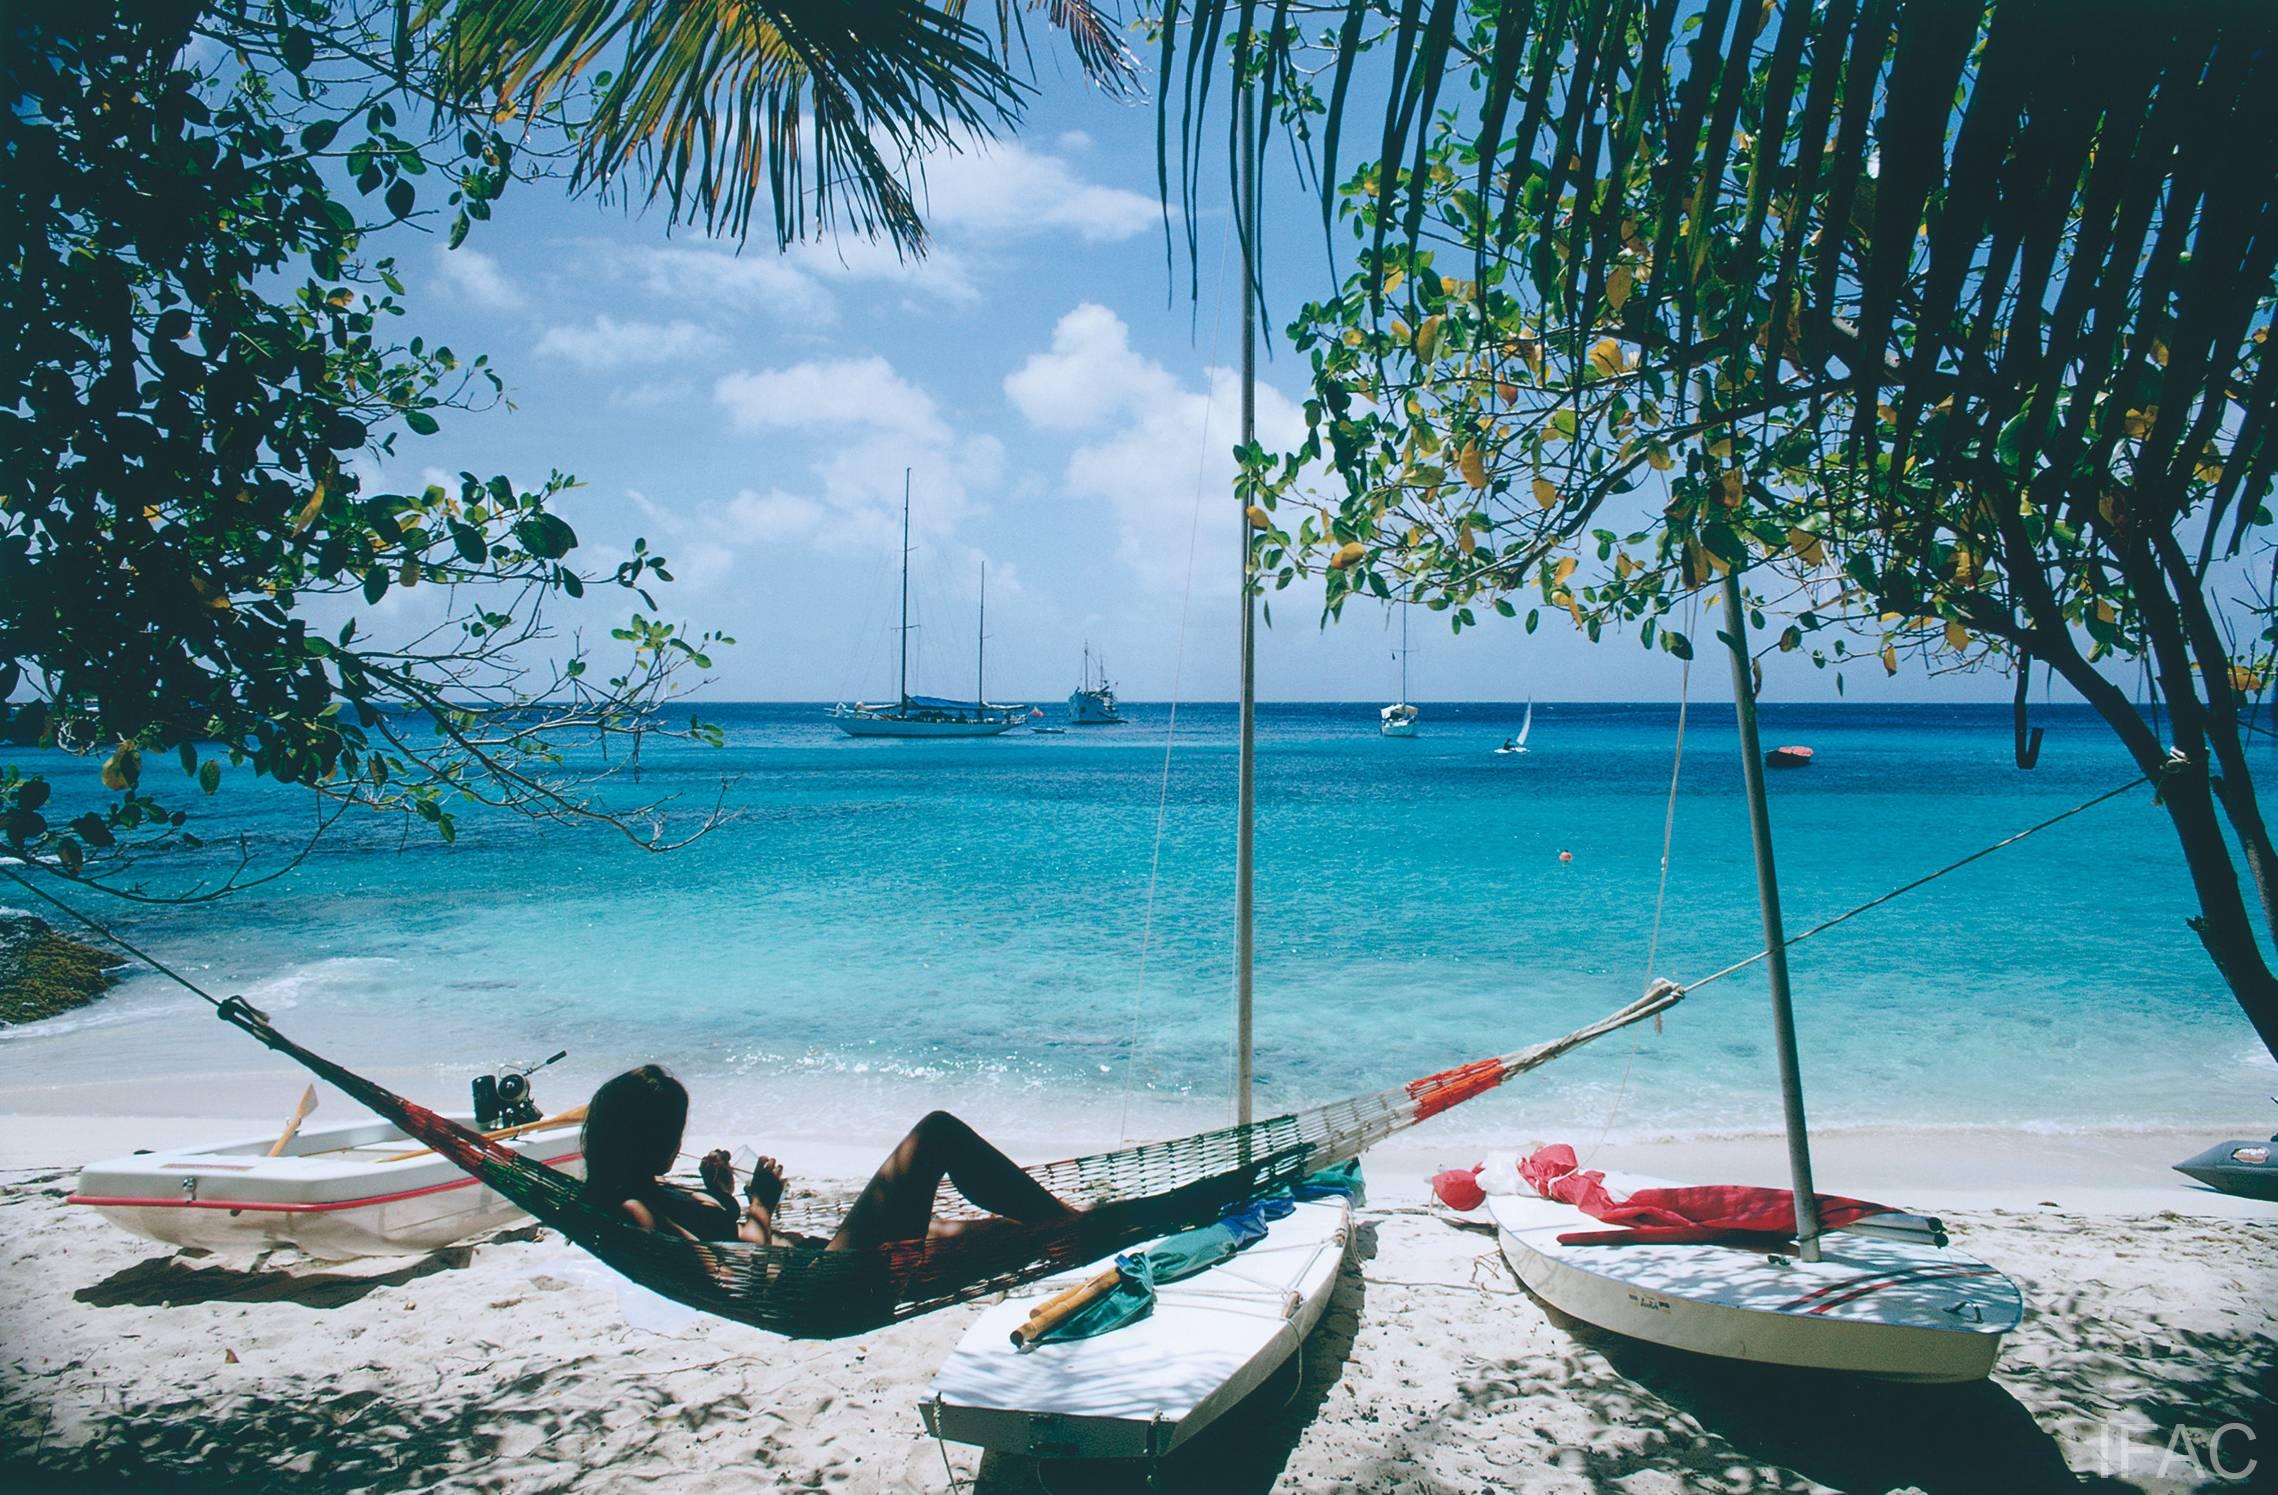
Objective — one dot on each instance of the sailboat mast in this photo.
(1246, 792)
(981, 660)
(905, 629)
(1403, 653)
(1775, 936)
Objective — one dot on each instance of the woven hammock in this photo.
(1125, 1196)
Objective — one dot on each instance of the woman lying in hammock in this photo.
(632, 1138)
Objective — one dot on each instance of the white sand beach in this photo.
(510, 1364)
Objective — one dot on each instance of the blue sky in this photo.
(1066, 411)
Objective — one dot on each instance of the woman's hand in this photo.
(766, 1186)
(719, 1175)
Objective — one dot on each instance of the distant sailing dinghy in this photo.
(363, 1188)
(1518, 744)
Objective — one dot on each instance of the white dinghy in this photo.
(1879, 1296)
(335, 1192)
(1140, 1391)
(1894, 1303)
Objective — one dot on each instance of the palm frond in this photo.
(812, 112)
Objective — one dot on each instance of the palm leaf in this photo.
(816, 113)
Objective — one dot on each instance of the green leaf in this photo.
(420, 422)
(545, 536)
(402, 198)
(375, 583)
(209, 775)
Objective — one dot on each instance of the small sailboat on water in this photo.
(930, 716)
(1399, 718)
(1805, 1280)
(1518, 744)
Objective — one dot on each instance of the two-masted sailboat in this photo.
(931, 716)
(1094, 705)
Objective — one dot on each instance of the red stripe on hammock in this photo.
(1452, 1087)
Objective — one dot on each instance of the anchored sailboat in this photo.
(931, 716)
(1399, 718)
(1091, 705)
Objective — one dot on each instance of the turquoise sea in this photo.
(890, 925)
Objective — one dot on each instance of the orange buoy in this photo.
(1566, 856)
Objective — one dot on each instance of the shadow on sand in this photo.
(1243, 1452)
(177, 1281)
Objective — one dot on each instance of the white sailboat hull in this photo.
(1895, 1310)
(334, 1194)
(888, 726)
(1141, 1391)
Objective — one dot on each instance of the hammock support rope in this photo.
(1127, 1196)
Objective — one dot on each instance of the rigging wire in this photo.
(1171, 728)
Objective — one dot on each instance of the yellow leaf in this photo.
(1465, 541)
(1720, 448)
(123, 768)
(2105, 612)
(408, 574)
(1400, 329)
(2139, 422)
(1347, 555)
(1657, 457)
(1545, 492)
(1606, 356)
(1957, 637)
(1259, 519)
(1392, 281)
(1353, 339)
(1565, 569)
(1617, 287)
(1507, 393)
(1469, 463)
(2159, 352)
(1890, 660)
(1733, 486)
(308, 513)
(1428, 339)
(1888, 416)
(1806, 546)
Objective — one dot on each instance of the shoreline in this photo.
(2105, 1172)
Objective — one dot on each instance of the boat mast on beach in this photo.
(930, 716)
(1881, 1296)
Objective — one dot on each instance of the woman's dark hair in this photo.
(632, 1133)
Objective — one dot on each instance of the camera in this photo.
(504, 1099)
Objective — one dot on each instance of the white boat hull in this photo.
(1143, 1390)
(332, 1195)
(1895, 1310)
(885, 726)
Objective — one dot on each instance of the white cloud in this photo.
(1163, 455)
(654, 394)
(862, 393)
(1004, 189)
(1073, 142)
(607, 343)
(864, 423)
(943, 275)
(475, 277)
(757, 281)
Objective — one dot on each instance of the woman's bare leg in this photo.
(897, 1205)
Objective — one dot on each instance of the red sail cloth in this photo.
(1698, 1213)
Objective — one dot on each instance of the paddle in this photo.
(292, 1127)
(1060, 1307)
(505, 1134)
